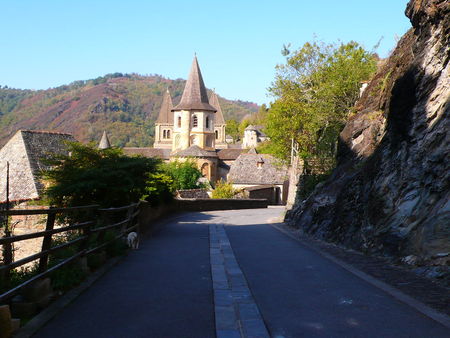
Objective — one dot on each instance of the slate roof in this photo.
(165, 113)
(245, 170)
(104, 142)
(195, 151)
(148, 152)
(214, 101)
(195, 96)
(25, 152)
(230, 154)
(258, 130)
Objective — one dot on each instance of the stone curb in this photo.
(397, 294)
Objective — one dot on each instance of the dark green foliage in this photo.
(159, 188)
(19, 276)
(92, 176)
(184, 174)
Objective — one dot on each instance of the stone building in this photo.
(26, 152)
(195, 129)
(253, 135)
(261, 175)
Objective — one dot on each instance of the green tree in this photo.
(92, 176)
(315, 91)
(184, 174)
(232, 129)
(244, 124)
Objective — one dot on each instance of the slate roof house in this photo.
(25, 152)
(261, 176)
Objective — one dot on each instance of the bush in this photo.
(185, 175)
(158, 189)
(224, 190)
(92, 176)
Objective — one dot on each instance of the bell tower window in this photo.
(207, 122)
(179, 121)
(195, 121)
(217, 134)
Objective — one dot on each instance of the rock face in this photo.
(390, 193)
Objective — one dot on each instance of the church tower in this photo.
(220, 124)
(164, 124)
(193, 117)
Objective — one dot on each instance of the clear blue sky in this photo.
(49, 43)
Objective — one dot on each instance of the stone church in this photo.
(195, 128)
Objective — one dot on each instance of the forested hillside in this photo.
(125, 105)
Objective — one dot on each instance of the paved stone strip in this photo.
(236, 312)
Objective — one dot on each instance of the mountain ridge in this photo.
(125, 105)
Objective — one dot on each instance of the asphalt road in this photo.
(164, 289)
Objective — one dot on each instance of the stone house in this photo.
(262, 172)
(253, 135)
(25, 152)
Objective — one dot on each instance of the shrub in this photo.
(158, 188)
(92, 176)
(224, 190)
(184, 174)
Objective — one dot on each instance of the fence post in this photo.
(47, 241)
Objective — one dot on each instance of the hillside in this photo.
(390, 192)
(126, 105)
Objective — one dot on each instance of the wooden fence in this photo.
(101, 221)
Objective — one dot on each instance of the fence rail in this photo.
(103, 220)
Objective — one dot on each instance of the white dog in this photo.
(133, 240)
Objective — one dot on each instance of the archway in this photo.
(205, 170)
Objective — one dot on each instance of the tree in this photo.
(315, 91)
(184, 174)
(232, 129)
(92, 176)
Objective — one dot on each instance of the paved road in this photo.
(189, 282)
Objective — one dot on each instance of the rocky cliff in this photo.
(390, 193)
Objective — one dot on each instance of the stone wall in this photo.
(197, 204)
(192, 193)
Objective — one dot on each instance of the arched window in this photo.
(194, 121)
(207, 122)
(164, 134)
(217, 134)
(168, 134)
(179, 121)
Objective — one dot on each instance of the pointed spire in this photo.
(104, 142)
(214, 101)
(165, 113)
(194, 94)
